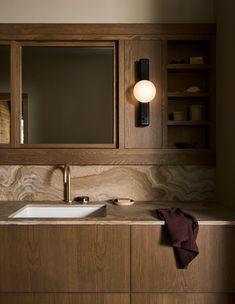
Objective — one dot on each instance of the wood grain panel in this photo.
(121, 93)
(153, 261)
(164, 96)
(99, 31)
(151, 136)
(16, 93)
(64, 259)
(177, 298)
(106, 157)
(61, 298)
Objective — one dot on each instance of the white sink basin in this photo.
(58, 211)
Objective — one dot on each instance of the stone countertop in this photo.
(141, 213)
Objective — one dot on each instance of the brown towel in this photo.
(182, 229)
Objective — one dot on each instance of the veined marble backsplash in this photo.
(141, 183)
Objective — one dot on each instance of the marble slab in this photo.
(102, 183)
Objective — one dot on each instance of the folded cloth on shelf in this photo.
(182, 229)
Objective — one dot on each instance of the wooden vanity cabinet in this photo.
(65, 298)
(113, 264)
(208, 279)
(182, 298)
(66, 258)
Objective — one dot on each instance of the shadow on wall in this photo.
(183, 11)
(103, 11)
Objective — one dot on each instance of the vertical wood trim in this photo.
(114, 95)
(121, 95)
(164, 99)
(212, 84)
(15, 93)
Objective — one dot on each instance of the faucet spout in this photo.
(67, 186)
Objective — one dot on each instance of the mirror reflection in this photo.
(5, 98)
(68, 95)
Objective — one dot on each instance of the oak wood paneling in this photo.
(16, 93)
(153, 261)
(100, 31)
(64, 258)
(183, 298)
(106, 157)
(121, 93)
(145, 40)
(151, 136)
(63, 298)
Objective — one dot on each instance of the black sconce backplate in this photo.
(144, 118)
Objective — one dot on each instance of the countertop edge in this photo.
(141, 213)
(98, 222)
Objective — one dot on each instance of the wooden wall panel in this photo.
(151, 136)
(176, 298)
(61, 298)
(153, 261)
(64, 258)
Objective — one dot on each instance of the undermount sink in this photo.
(60, 211)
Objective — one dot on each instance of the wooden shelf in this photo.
(188, 66)
(188, 123)
(187, 95)
(181, 76)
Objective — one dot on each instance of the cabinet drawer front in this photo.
(63, 298)
(82, 258)
(153, 261)
(176, 298)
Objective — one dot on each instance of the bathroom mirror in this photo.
(5, 96)
(68, 94)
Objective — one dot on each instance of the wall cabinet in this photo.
(119, 139)
(148, 137)
(190, 93)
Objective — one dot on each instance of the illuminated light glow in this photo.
(144, 91)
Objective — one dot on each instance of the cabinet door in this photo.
(154, 268)
(63, 298)
(183, 298)
(75, 258)
(136, 137)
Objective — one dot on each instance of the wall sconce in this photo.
(144, 91)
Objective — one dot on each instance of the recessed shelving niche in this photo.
(190, 87)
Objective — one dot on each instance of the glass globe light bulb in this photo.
(144, 91)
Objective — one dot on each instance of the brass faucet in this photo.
(67, 178)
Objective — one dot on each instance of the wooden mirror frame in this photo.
(15, 153)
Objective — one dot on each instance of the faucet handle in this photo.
(82, 199)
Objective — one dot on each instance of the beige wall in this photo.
(225, 101)
(95, 11)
